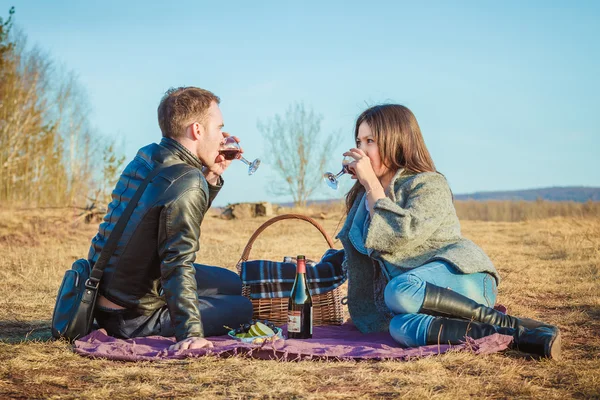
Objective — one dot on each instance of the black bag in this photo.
(74, 309)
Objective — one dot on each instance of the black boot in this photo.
(540, 341)
(444, 302)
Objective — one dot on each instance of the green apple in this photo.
(260, 329)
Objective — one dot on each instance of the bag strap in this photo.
(113, 239)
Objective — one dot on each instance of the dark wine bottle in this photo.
(300, 307)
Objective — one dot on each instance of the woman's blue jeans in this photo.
(405, 293)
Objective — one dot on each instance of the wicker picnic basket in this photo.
(327, 307)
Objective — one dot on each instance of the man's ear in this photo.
(197, 130)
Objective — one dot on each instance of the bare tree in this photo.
(48, 153)
(112, 168)
(297, 150)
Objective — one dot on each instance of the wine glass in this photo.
(332, 180)
(230, 149)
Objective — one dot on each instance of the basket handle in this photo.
(246, 252)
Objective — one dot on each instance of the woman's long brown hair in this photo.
(401, 145)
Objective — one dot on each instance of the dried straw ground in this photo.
(551, 271)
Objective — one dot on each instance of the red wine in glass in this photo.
(230, 149)
(229, 154)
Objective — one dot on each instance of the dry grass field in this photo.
(551, 271)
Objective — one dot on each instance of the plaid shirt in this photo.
(268, 279)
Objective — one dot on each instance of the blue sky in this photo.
(507, 93)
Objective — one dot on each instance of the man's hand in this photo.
(191, 343)
(212, 174)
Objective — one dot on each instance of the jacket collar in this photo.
(401, 174)
(399, 179)
(181, 151)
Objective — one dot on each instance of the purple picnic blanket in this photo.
(343, 342)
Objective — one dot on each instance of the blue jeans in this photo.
(405, 293)
(220, 303)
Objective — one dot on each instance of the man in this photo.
(151, 285)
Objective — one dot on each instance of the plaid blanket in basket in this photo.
(268, 279)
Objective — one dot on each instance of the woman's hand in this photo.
(361, 168)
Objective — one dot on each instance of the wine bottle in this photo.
(300, 308)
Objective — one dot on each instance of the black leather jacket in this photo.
(153, 262)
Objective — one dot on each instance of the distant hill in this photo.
(579, 194)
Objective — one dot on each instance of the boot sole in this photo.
(555, 352)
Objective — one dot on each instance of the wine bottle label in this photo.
(294, 321)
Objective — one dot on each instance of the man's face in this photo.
(212, 136)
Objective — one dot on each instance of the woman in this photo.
(409, 268)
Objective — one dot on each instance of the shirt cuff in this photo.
(218, 186)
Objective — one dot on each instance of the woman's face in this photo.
(366, 142)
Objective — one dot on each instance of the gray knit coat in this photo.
(414, 225)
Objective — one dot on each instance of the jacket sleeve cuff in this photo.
(213, 190)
